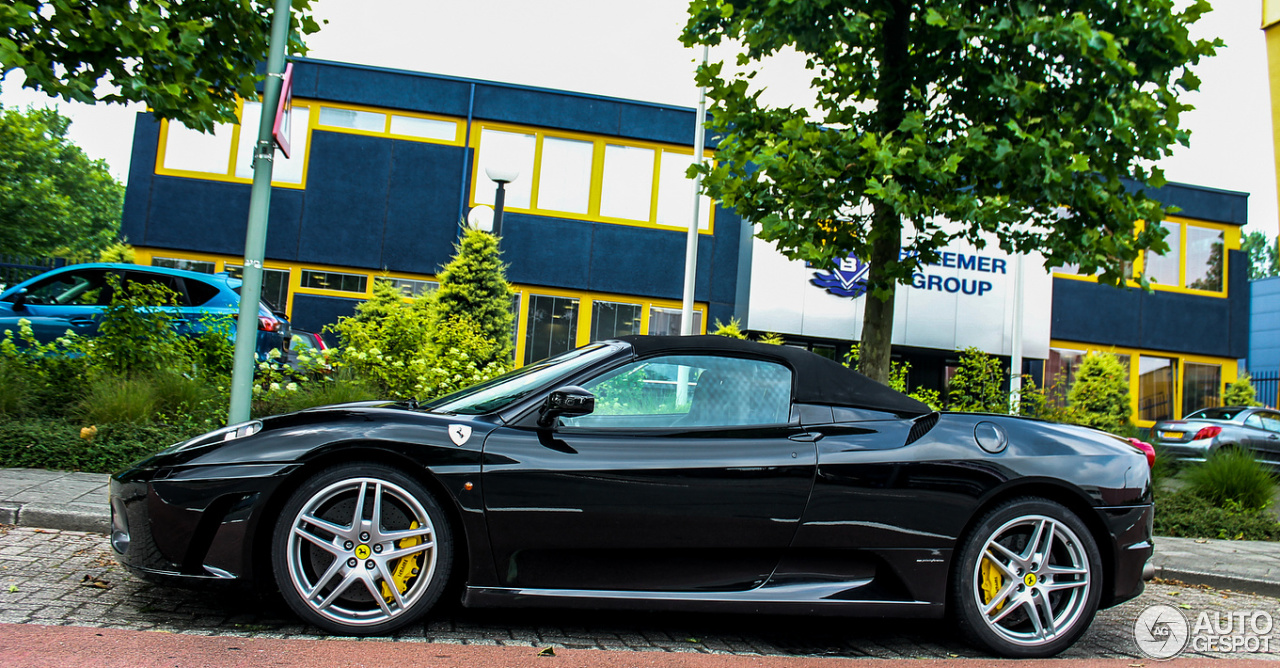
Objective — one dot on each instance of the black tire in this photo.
(316, 541)
(1064, 588)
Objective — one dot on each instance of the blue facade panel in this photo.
(422, 207)
(348, 181)
(313, 312)
(547, 251)
(142, 164)
(1264, 326)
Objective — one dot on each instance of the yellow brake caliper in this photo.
(991, 582)
(406, 567)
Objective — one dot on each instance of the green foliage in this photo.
(1187, 515)
(119, 251)
(53, 198)
(1048, 402)
(1264, 255)
(56, 444)
(1232, 475)
(732, 330)
(931, 398)
(184, 60)
(389, 341)
(997, 116)
(978, 384)
(1240, 393)
(1100, 395)
(473, 286)
(119, 399)
(135, 336)
(773, 339)
(463, 355)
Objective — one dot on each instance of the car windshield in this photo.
(1215, 414)
(506, 389)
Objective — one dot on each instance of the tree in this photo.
(474, 287)
(1264, 256)
(1240, 393)
(53, 198)
(978, 384)
(186, 60)
(1000, 117)
(1099, 397)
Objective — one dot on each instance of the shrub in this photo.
(773, 339)
(56, 444)
(1232, 475)
(135, 336)
(463, 356)
(733, 329)
(388, 341)
(1187, 515)
(474, 285)
(978, 384)
(119, 399)
(1100, 395)
(1240, 393)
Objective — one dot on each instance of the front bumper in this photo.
(191, 524)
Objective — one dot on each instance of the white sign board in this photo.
(964, 300)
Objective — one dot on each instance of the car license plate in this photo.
(1171, 434)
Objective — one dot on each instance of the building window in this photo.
(1156, 383)
(283, 170)
(332, 280)
(552, 327)
(666, 321)
(610, 320)
(353, 119)
(186, 265)
(408, 287)
(187, 150)
(675, 193)
(424, 128)
(506, 151)
(1204, 258)
(1164, 269)
(1200, 385)
(627, 172)
(564, 175)
(275, 285)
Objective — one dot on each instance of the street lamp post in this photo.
(502, 177)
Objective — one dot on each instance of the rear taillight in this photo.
(1146, 449)
(1207, 432)
(268, 324)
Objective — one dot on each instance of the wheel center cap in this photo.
(362, 552)
(1029, 580)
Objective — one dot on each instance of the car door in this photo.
(68, 300)
(1268, 446)
(1256, 435)
(690, 475)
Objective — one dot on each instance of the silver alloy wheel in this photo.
(342, 555)
(1044, 580)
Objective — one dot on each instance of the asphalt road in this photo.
(70, 579)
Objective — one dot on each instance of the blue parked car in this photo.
(74, 298)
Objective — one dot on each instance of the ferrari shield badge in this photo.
(459, 433)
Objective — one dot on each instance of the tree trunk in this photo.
(886, 225)
(877, 316)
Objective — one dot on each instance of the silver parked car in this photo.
(1210, 430)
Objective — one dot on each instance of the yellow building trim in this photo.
(229, 176)
(386, 124)
(1270, 13)
(586, 298)
(1228, 365)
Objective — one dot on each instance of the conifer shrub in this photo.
(1099, 397)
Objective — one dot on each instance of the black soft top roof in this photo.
(818, 380)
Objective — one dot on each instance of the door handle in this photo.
(81, 322)
(1273, 437)
(806, 437)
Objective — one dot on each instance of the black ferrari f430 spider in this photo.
(681, 473)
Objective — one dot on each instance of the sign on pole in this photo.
(284, 115)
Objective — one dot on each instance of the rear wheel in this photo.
(361, 549)
(1028, 579)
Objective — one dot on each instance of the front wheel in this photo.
(1028, 580)
(361, 549)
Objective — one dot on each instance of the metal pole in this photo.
(1015, 364)
(691, 240)
(499, 200)
(256, 237)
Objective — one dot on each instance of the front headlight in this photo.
(217, 436)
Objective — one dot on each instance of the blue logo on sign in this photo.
(848, 278)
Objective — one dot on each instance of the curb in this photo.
(1217, 581)
(56, 517)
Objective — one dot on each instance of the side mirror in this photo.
(20, 300)
(568, 401)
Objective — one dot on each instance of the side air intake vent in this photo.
(921, 427)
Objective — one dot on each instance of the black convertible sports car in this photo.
(692, 473)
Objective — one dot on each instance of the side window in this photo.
(1271, 421)
(690, 391)
(1254, 421)
(199, 291)
(173, 284)
(85, 287)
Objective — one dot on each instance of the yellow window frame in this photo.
(229, 176)
(1230, 371)
(599, 143)
(1230, 242)
(458, 123)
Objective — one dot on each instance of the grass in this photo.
(1183, 513)
(1232, 476)
(52, 443)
